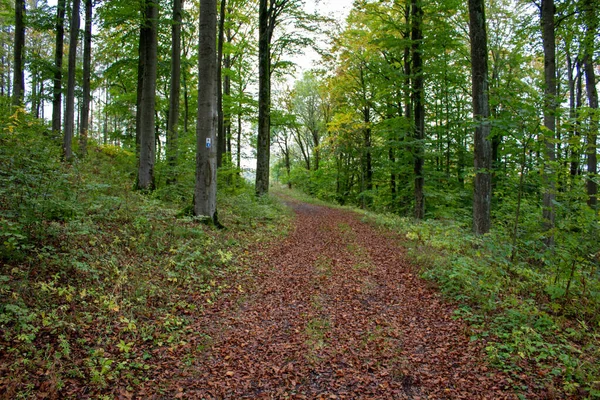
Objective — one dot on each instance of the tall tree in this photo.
(173, 118)
(592, 92)
(147, 93)
(419, 106)
(265, 34)
(481, 113)
(58, 61)
(70, 106)
(205, 195)
(547, 12)
(221, 140)
(87, 60)
(19, 74)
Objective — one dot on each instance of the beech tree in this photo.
(547, 12)
(58, 64)
(87, 60)
(591, 22)
(70, 106)
(205, 194)
(481, 113)
(266, 23)
(271, 13)
(147, 95)
(175, 87)
(19, 44)
(419, 106)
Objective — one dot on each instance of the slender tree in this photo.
(147, 93)
(175, 87)
(481, 112)
(419, 106)
(549, 45)
(221, 140)
(19, 45)
(205, 195)
(70, 106)
(58, 61)
(264, 98)
(87, 60)
(592, 94)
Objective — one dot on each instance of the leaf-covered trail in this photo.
(334, 311)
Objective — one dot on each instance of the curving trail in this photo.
(332, 312)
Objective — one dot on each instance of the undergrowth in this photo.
(535, 308)
(530, 317)
(95, 277)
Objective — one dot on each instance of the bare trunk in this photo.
(175, 89)
(148, 92)
(87, 58)
(221, 143)
(592, 92)
(264, 101)
(592, 153)
(575, 167)
(549, 44)
(418, 102)
(18, 74)
(205, 195)
(481, 112)
(70, 109)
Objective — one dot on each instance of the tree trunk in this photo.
(205, 196)
(70, 106)
(239, 142)
(418, 102)
(549, 44)
(481, 112)
(87, 59)
(142, 48)
(149, 38)
(368, 162)
(575, 167)
(221, 142)
(592, 153)
(264, 101)
(592, 92)
(175, 89)
(18, 74)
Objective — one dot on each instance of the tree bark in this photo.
(87, 59)
(149, 39)
(205, 196)
(575, 156)
(481, 112)
(175, 90)
(418, 102)
(592, 92)
(19, 46)
(70, 106)
(221, 142)
(264, 100)
(549, 45)
(592, 153)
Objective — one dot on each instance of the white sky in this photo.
(337, 9)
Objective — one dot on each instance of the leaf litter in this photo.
(333, 311)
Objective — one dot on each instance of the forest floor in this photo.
(333, 311)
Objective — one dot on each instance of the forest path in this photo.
(334, 311)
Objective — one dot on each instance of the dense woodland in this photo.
(470, 128)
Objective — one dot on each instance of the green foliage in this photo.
(540, 309)
(95, 276)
